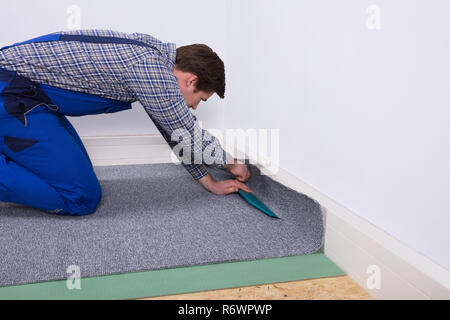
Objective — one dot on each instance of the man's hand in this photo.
(222, 187)
(239, 170)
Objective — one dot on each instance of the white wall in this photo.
(180, 22)
(364, 115)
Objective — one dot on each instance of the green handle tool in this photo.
(254, 201)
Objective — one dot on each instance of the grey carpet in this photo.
(156, 216)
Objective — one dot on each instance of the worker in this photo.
(43, 162)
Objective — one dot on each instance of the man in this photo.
(43, 162)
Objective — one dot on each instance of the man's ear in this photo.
(192, 80)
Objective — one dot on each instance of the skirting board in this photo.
(379, 263)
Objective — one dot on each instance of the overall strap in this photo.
(81, 38)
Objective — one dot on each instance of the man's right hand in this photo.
(222, 187)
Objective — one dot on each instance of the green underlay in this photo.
(181, 280)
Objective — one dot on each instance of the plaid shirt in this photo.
(124, 72)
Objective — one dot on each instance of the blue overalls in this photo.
(43, 162)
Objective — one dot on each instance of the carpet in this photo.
(155, 216)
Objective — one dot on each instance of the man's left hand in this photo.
(239, 170)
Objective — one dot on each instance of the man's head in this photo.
(200, 73)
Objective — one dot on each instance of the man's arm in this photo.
(197, 171)
(205, 179)
(157, 90)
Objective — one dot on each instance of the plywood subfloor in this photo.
(333, 288)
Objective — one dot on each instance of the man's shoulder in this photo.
(146, 38)
(166, 50)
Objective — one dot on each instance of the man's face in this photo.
(187, 82)
(193, 98)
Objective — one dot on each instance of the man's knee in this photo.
(91, 199)
(83, 201)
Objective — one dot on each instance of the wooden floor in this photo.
(333, 288)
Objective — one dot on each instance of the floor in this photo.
(333, 288)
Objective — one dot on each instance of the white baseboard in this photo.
(351, 242)
(122, 150)
(354, 244)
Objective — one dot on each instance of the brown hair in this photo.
(202, 61)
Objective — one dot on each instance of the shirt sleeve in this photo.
(197, 171)
(156, 88)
